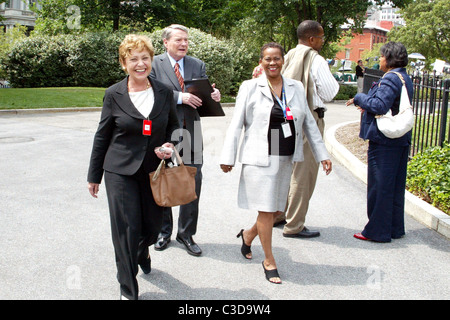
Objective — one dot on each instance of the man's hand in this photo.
(215, 95)
(191, 100)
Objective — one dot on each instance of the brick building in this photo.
(379, 21)
(372, 33)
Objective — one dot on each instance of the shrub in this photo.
(95, 60)
(91, 60)
(345, 92)
(429, 176)
(40, 62)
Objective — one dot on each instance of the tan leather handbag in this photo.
(173, 186)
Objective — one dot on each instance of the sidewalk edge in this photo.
(417, 208)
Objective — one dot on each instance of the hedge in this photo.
(429, 176)
(91, 60)
(346, 91)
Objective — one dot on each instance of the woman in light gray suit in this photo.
(274, 113)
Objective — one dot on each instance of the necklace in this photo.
(131, 89)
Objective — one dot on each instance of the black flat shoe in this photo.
(146, 266)
(270, 274)
(245, 249)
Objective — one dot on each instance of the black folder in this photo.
(202, 88)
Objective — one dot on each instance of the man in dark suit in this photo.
(172, 68)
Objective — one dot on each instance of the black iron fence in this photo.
(430, 103)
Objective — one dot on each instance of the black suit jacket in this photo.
(188, 117)
(119, 145)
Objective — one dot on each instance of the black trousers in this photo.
(135, 224)
(188, 214)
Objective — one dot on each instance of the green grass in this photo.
(36, 98)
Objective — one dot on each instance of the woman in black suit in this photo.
(138, 118)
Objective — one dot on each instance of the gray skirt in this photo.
(265, 188)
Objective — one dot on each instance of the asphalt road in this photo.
(56, 245)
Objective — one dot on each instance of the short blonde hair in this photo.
(135, 42)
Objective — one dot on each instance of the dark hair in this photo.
(308, 28)
(272, 45)
(395, 54)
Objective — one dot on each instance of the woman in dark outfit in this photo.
(387, 158)
(138, 117)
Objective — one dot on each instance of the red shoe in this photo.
(360, 236)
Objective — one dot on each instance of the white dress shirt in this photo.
(143, 101)
(326, 87)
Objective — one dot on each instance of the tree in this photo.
(283, 16)
(78, 16)
(427, 29)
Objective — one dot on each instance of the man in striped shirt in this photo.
(304, 63)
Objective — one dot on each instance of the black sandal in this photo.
(270, 274)
(245, 249)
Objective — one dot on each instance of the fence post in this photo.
(442, 131)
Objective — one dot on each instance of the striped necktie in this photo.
(179, 77)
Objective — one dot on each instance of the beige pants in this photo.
(303, 182)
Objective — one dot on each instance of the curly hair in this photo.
(395, 54)
(135, 42)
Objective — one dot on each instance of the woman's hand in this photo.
(93, 189)
(165, 151)
(226, 168)
(351, 101)
(327, 166)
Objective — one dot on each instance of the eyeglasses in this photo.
(321, 37)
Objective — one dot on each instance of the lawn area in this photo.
(36, 98)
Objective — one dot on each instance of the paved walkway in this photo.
(56, 244)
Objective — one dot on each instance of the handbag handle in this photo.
(397, 73)
(162, 164)
(403, 95)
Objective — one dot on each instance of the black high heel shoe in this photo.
(271, 275)
(245, 249)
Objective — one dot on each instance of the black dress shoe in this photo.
(305, 233)
(191, 247)
(162, 243)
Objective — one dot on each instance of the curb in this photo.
(47, 110)
(417, 208)
(78, 109)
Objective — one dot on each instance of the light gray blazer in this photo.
(252, 113)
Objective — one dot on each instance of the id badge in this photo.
(289, 114)
(286, 129)
(147, 128)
